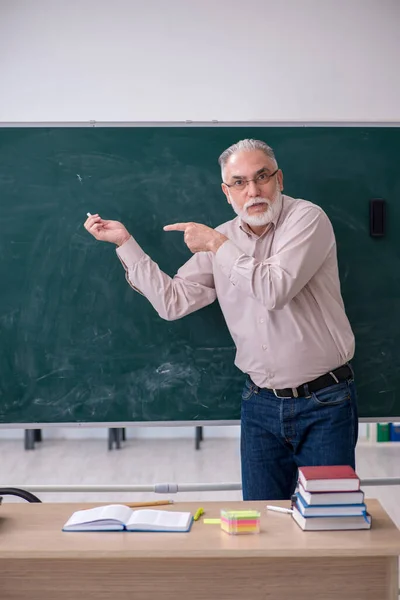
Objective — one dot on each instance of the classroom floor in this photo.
(150, 461)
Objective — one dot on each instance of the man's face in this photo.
(258, 201)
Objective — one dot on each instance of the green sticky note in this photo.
(242, 513)
(212, 521)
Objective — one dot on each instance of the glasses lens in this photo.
(263, 179)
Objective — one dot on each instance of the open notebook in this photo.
(117, 517)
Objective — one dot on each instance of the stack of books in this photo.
(330, 498)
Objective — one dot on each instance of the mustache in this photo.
(257, 200)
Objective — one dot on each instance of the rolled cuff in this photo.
(226, 257)
(130, 253)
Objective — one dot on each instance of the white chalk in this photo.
(89, 214)
(280, 509)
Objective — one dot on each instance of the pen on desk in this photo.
(280, 509)
(198, 514)
(155, 503)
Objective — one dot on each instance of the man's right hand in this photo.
(107, 231)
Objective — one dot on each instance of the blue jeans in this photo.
(278, 435)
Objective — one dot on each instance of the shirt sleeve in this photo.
(305, 242)
(192, 287)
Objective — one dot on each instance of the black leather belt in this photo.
(339, 375)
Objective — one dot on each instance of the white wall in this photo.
(160, 60)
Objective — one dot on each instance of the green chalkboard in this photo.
(78, 345)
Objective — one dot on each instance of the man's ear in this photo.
(225, 189)
(280, 179)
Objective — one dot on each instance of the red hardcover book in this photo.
(336, 478)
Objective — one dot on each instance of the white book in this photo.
(331, 523)
(323, 498)
(329, 478)
(330, 510)
(117, 517)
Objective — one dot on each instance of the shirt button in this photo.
(261, 320)
(264, 346)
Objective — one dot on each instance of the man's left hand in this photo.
(199, 238)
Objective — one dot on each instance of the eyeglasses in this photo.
(260, 180)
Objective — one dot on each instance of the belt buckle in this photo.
(294, 392)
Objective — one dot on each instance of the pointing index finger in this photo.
(176, 227)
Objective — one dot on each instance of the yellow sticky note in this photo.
(212, 521)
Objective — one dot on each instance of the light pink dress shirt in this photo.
(279, 293)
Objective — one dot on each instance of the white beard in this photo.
(269, 215)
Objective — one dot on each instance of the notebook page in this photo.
(101, 513)
(159, 518)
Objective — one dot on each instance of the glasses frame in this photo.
(247, 181)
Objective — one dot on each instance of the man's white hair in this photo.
(246, 145)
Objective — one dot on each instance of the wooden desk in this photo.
(39, 561)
